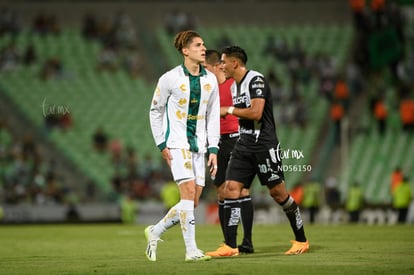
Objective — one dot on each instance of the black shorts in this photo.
(226, 145)
(244, 166)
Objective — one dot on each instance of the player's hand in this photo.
(223, 111)
(166, 154)
(212, 163)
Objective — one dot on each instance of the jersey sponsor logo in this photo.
(241, 100)
(258, 85)
(193, 117)
(180, 115)
(183, 87)
(273, 177)
(188, 165)
(246, 131)
(258, 79)
(232, 135)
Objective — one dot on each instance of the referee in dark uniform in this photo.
(229, 133)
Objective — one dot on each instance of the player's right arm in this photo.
(157, 113)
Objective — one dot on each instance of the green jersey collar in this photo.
(187, 73)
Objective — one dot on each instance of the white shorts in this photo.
(187, 165)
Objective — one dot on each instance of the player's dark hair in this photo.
(212, 57)
(236, 52)
(184, 38)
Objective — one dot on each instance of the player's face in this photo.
(228, 65)
(209, 66)
(196, 51)
(215, 69)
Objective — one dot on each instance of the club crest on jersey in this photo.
(183, 88)
(207, 87)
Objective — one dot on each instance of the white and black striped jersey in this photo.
(255, 135)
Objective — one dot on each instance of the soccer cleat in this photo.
(152, 240)
(196, 255)
(298, 248)
(245, 248)
(224, 251)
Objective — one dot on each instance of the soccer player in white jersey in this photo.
(185, 123)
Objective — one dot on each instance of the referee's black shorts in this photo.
(226, 145)
(244, 166)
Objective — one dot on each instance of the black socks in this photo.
(293, 214)
(232, 209)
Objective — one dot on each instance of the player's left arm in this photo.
(253, 112)
(212, 163)
(258, 89)
(213, 119)
(213, 129)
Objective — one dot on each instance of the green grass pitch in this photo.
(119, 249)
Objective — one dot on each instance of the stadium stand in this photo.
(112, 100)
(373, 157)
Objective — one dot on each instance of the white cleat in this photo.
(196, 255)
(152, 240)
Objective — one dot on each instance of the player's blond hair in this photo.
(183, 39)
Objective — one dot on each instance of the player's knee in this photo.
(278, 194)
(245, 192)
(232, 190)
(187, 190)
(221, 192)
